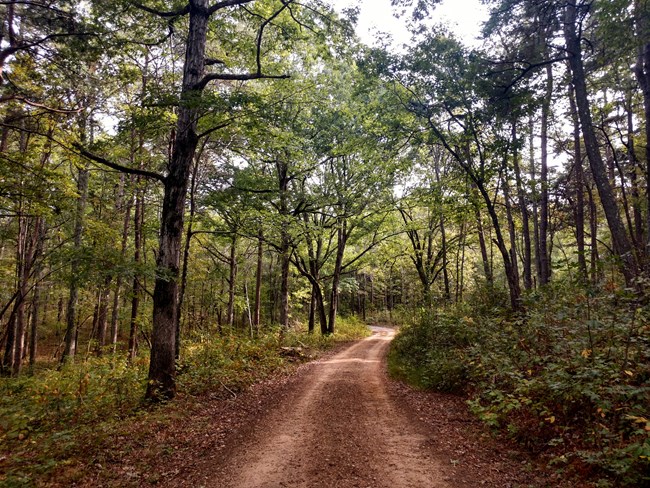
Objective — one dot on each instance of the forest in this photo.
(191, 188)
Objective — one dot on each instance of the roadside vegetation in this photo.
(567, 378)
(182, 182)
(54, 418)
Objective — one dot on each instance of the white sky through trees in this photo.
(463, 18)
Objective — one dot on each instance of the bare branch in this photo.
(227, 3)
(124, 169)
(234, 77)
(26, 101)
(175, 13)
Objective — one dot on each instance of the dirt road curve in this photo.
(338, 428)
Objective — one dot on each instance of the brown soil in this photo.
(336, 422)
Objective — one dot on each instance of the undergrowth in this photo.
(569, 378)
(45, 417)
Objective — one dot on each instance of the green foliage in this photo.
(44, 417)
(51, 409)
(229, 361)
(433, 352)
(570, 379)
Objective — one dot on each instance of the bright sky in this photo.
(464, 18)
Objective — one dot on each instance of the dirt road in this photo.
(335, 422)
(339, 428)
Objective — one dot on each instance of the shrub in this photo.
(570, 378)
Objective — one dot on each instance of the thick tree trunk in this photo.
(620, 240)
(138, 221)
(186, 254)
(162, 366)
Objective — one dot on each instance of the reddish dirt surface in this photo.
(335, 422)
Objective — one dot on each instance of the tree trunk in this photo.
(635, 170)
(162, 366)
(186, 253)
(443, 236)
(642, 72)
(102, 314)
(621, 243)
(70, 348)
(342, 237)
(258, 280)
(511, 228)
(579, 188)
(118, 284)
(138, 221)
(544, 258)
(283, 186)
(593, 223)
(534, 197)
(232, 280)
(523, 208)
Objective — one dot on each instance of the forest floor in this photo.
(335, 422)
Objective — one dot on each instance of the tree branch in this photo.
(124, 169)
(234, 77)
(226, 4)
(175, 13)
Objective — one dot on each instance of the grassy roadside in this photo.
(569, 380)
(55, 420)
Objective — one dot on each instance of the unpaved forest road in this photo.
(335, 422)
(338, 429)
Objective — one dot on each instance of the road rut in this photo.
(338, 428)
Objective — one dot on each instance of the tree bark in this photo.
(544, 258)
(102, 314)
(138, 221)
(342, 236)
(186, 254)
(118, 283)
(525, 221)
(511, 230)
(70, 348)
(620, 240)
(258, 280)
(232, 280)
(579, 188)
(162, 366)
(642, 73)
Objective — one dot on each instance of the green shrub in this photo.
(570, 378)
(433, 352)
